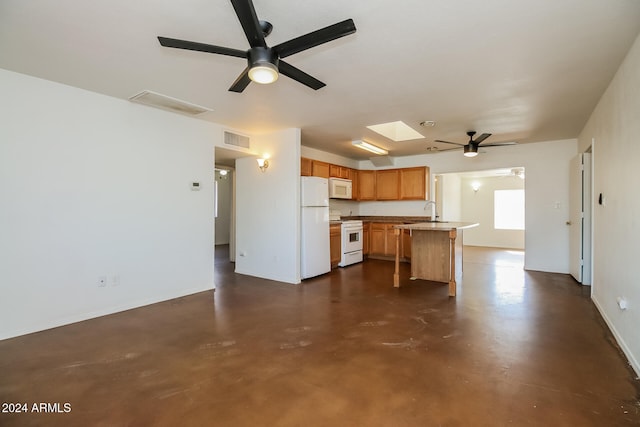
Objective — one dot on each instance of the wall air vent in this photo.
(236, 140)
(153, 99)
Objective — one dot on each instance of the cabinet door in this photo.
(305, 166)
(390, 236)
(413, 183)
(353, 176)
(335, 171)
(388, 184)
(320, 169)
(335, 243)
(366, 185)
(366, 230)
(377, 242)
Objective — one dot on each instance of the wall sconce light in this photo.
(263, 164)
(369, 147)
(476, 186)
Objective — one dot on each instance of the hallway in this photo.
(514, 347)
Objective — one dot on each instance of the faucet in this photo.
(435, 209)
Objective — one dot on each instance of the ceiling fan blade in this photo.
(241, 82)
(447, 142)
(481, 138)
(299, 76)
(201, 47)
(438, 150)
(499, 144)
(249, 21)
(315, 38)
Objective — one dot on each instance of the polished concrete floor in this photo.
(345, 349)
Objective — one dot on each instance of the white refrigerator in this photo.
(314, 218)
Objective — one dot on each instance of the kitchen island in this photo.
(436, 252)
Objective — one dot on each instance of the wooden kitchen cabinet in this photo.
(335, 244)
(390, 240)
(366, 185)
(382, 241)
(414, 183)
(320, 169)
(388, 184)
(384, 185)
(366, 230)
(305, 166)
(354, 184)
(377, 239)
(336, 171)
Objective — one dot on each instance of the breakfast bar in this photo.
(436, 252)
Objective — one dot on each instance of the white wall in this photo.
(615, 127)
(268, 209)
(451, 202)
(94, 186)
(478, 206)
(546, 192)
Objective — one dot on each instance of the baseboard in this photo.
(80, 317)
(621, 343)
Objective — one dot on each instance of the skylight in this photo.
(396, 131)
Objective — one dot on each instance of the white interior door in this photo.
(580, 218)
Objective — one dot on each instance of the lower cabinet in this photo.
(382, 241)
(335, 244)
(366, 232)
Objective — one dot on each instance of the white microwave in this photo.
(340, 188)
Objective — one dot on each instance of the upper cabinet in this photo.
(414, 183)
(366, 185)
(305, 166)
(388, 184)
(384, 184)
(336, 171)
(320, 169)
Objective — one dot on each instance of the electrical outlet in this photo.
(102, 281)
(115, 280)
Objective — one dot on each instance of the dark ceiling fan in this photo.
(264, 62)
(471, 147)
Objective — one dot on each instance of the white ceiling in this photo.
(523, 70)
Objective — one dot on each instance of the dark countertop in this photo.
(398, 219)
(437, 226)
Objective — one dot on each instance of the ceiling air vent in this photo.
(153, 99)
(236, 140)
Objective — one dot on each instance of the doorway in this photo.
(580, 203)
(493, 198)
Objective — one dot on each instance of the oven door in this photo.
(351, 239)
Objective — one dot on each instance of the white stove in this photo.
(351, 242)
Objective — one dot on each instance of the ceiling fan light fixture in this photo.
(263, 73)
(263, 65)
(470, 150)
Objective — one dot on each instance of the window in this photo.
(508, 209)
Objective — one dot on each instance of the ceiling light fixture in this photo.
(470, 150)
(369, 147)
(263, 66)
